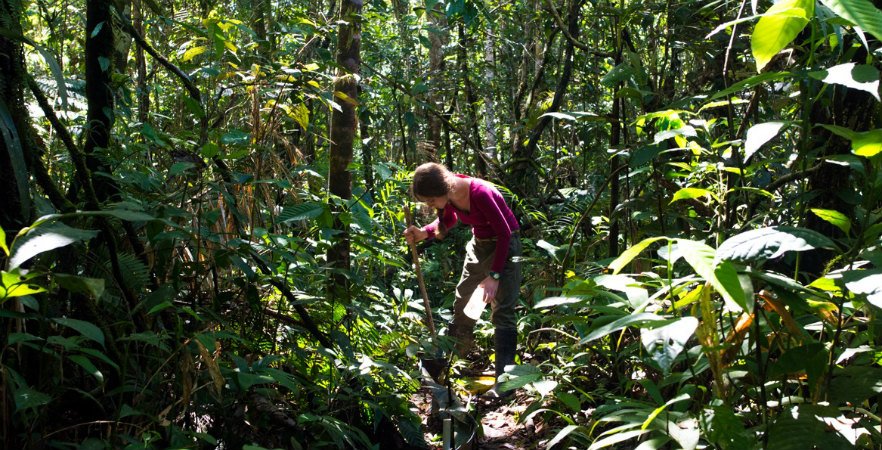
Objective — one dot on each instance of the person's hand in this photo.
(415, 234)
(491, 287)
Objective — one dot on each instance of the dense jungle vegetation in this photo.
(202, 206)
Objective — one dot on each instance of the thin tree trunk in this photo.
(99, 116)
(489, 103)
(438, 41)
(343, 127)
(472, 127)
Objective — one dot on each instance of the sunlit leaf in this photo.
(690, 193)
(758, 135)
(17, 285)
(621, 323)
(665, 343)
(861, 77)
(722, 276)
(631, 253)
(768, 243)
(834, 217)
(778, 27)
(867, 143)
(866, 283)
(45, 238)
(193, 52)
(859, 12)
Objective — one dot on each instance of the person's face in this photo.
(434, 202)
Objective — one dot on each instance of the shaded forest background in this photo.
(202, 204)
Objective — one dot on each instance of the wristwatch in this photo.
(495, 275)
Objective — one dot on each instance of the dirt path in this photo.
(499, 427)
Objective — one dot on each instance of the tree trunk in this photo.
(15, 200)
(343, 127)
(100, 115)
(471, 99)
(438, 41)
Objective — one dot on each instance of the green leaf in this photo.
(631, 253)
(85, 363)
(520, 376)
(87, 329)
(690, 193)
(758, 135)
(866, 283)
(15, 338)
(570, 400)
(867, 143)
(3, 242)
(861, 77)
(26, 398)
(300, 211)
(16, 285)
(752, 82)
(73, 283)
(778, 27)
(620, 323)
(769, 243)
(854, 384)
(666, 342)
(834, 217)
(561, 435)
(803, 427)
(96, 30)
(859, 12)
(45, 238)
(722, 276)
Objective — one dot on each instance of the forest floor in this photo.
(500, 420)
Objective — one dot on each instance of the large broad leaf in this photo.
(631, 253)
(73, 283)
(14, 284)
(621, 323)
(854, 384)
(802, 427)
(867, 283)
(301, 211)
(859, 12)
(768, 243)
(87, 329)
(866, 143)
(666, 342)
(758, 135)
(862, 77)
(835, 218)
(721, 275)
(45, 238)
(778, 27)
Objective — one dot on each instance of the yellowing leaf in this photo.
(193, 52)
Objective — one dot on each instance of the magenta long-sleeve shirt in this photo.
(488, 215)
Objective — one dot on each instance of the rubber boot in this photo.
(506, 341)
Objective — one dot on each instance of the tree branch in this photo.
(578, 44)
